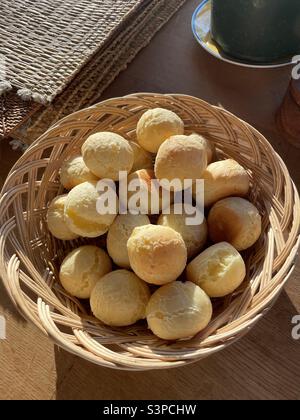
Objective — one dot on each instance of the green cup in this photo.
(260, 31)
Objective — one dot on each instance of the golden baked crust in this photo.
(180, 157)
(118, 235)
(223, 179)
(81, 211)
(56, 221)
(74, 172)
(106, 154)
(157, 125)
(142, 158)
(157, 254)
(219, 270)
(178, 310)
(120, 299)
(235, 220)
(82, 268)
(194, 236)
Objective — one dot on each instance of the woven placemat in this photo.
(44, 43)
(88, 85)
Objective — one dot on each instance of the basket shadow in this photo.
(263, 365)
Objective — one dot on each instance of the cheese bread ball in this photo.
(82, 268)
(223, 179)
(120, 298)
(180, 157)
(207, 144)
(74, 172)
(219, 270)
(143, 179)
(235, 220)
(106, 154)
(56, 221)
(156, 126)
(157, 254)
(81, 211)
(118, 235)
(142, 158)
(194, 236)
(178, 310)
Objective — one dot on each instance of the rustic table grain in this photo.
(263, 365)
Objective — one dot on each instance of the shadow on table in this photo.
(254, 95)
(250, 93)
(263, 365)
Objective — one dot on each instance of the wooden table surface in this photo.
(263, 365)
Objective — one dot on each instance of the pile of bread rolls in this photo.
(168, 271)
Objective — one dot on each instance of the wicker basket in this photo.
(30, 257)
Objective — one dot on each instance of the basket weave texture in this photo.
(30, 256)
(45, 43)
(26, 121)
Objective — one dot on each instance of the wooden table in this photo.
(263, 365)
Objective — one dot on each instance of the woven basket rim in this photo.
(143, 354)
